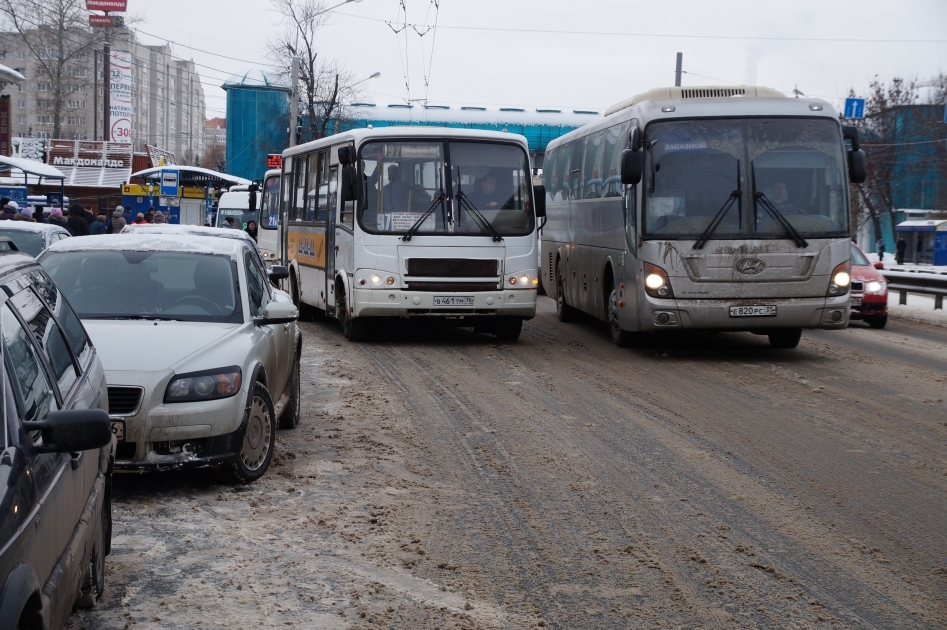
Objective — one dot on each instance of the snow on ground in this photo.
(920, 308)
(891, 265)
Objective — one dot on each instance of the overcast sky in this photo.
(625, 47)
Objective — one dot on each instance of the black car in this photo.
(58, 449)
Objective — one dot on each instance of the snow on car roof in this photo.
(197, 230)
(29, 226)
(150, 242)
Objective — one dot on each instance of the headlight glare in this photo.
(376, 279)
(656, 282)
(841, 279)
(524, 279)
(204, 385)
(875, 286)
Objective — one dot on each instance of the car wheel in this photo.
(878, 322)
(353, 328)
(507, 328)
(622, 338)
(785, 338)
(259, 437)
(290, 417)
(564, 312)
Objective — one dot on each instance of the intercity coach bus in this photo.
(705, 208)
(412, 222)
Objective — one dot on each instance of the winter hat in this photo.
(56, 212)
(13, 205)
(120, 209)
(159, 218)
(26, 210)
(118, 212)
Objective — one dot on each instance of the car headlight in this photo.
(875, 286)
(656, 282)
(205, 385)
(841, 279)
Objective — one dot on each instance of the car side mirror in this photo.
(539, 195)
(277, 273)
(857, 166)
(632, 163)
(278, 313)
(349, 190)
(72, 431)
(879, 265)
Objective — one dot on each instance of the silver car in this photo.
(32, 238)
(201, 352)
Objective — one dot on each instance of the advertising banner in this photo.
(108, 21)
(106, 5)
(90, 162)
(120, 118)
(5, 148)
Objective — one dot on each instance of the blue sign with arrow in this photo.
(854, 108)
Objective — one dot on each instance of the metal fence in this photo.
(923, 282)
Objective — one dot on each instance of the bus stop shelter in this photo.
(34, 173)
(926, 241)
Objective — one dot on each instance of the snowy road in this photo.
(439, 479)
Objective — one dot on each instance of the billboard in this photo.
(120, 116)
(106, 5)
(5, 147)
(91, 162)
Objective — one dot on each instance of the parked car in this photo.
(869, 290)
(201, 353)
(58, 448)
(32, 238)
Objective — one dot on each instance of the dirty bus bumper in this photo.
(402, 303)
(816, 312)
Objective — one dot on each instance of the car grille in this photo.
(858, 286)
(124, 401)
(453, 287)
(452, 267)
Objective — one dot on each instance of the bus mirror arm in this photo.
(632, 163)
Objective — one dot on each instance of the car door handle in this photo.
(77, 459)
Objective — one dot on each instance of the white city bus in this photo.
(407, 222)
(264, 210)
(703, 208)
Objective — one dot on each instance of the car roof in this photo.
(12, 260)
(151, 242)
(29, 226)
(196, 230)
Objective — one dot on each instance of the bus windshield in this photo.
(437, 187)
(784, 168)
(270, 210)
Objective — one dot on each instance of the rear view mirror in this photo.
(72, 431)
(857, 166)
(346, 156)
(632, 163)
(278, 313)
(349, 189)
(277, 273)
(539, 195)
(879, 265)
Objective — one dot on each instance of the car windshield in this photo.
(439, 187)
(858, 258)
(29, 242)
(241, 216)
(790, 168)
(147, 285)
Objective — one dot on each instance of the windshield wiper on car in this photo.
(149, 317)
(715, 223)
(780, 218)
(417, 224)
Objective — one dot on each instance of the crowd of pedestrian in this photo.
(80, 220)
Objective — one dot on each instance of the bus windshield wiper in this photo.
(417, 224)
(465, 203)
(715, 223)
(780, 218)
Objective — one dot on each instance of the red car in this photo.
(869, 290)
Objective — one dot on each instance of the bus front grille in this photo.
(453, 287)
(452, 267)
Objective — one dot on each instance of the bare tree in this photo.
(215, 157)
(324, 86)
(57, 35)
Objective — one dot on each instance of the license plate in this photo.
(753, 311)
(856, 301)
(453, 300)
(118, 430)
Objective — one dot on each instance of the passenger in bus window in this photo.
(251, 229)
(487, 192)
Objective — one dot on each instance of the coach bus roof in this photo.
(678, 92)
(358, 135)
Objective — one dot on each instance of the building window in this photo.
(160, 91)
(3, 54)
(21, 104)
(76, 120)
(44, 119)
(20, 87)
(43, 103)
(20, 54)
(75, 104)
(160, 120)
(42, 87)
(160, 106)
(21, 119)
(21, 71)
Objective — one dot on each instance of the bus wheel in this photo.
(622, 338)
(507, 328)
(785, 337)
(353, 328)
(564, 312)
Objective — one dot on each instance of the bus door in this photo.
(332, 250)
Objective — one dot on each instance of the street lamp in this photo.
(335, 7)
(373, 76)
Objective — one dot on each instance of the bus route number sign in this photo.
(274, 160)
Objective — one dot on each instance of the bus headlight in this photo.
(376, 279)
(656, 282)
(841, 279)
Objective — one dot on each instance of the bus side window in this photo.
(298, 213)
(315, 193)
(549, 167)
(592, 175)
(631, 218)
(611, 163)
(575, 168)
(322, 212)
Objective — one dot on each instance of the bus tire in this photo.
(507, 328)
(564, 312)
(622, 338)
(785, 338)
(353, 328)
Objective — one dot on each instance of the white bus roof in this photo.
(360, 135)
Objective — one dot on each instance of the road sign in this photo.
(169, 182)
(106, 5)
(854, 108)
(108, 21)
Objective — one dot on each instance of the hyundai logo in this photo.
(751, 266)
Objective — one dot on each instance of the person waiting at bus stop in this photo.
(899, 248)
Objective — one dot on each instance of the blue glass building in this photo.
(257, 118)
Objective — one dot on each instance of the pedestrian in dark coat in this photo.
(899, 249)
(98, 226)
(8, 212)
(88, 215)
(39, 215)
(77, 223)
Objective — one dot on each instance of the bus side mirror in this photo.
(349, 189)
(857, 166)
(346, 156)
(632, 163)
(851, 133)
(539, 195)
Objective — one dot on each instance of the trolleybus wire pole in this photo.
(677, 73)
(294, 102)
